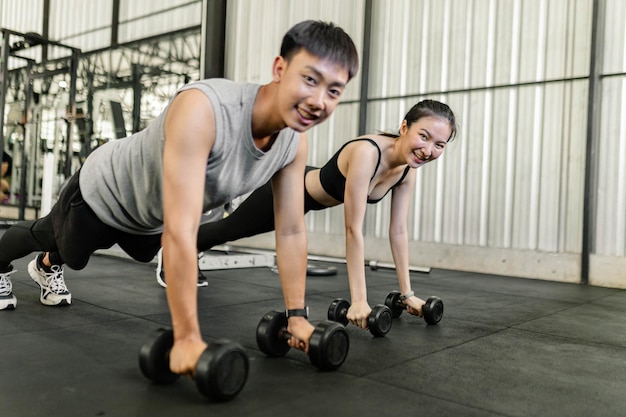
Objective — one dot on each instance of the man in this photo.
(216, 140)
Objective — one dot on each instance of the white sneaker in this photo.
(53, 289)
(7, 299)
(160, 273)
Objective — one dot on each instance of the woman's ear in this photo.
(278, 68)
(404, 127)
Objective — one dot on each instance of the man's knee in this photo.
(75, 262)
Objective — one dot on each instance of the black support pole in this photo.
(137, 91)
(591, 148)
(4, 81)
(213, 38)
(45, 29)
(26, 126)
(69, 151)
(365, 67)
(89, 119)
(115, 22)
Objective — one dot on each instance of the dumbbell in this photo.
(221, 371)
(328, 347)
(432, 310)
(378, 322)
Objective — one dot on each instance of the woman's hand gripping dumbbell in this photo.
(378, 321)
(328, 346)
(432, 310)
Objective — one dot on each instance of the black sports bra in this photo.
(333, 181)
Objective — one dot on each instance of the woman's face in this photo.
(424, 140)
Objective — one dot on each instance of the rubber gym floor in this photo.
(505, 347)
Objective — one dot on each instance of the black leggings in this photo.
(71, 232)
(254, 216)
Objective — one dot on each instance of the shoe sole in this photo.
(164, 285)
(160, 281)
(8, 305)
(159, 271)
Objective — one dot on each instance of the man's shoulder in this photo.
(226, 94)
(224, 87)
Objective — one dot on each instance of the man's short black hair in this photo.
(324, 40)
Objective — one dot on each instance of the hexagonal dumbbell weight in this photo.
(432, 310)
(221, 372)
(328, 347)
(378, 322)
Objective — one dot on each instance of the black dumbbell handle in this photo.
(284, 334)
(399, 302)
(343, 313)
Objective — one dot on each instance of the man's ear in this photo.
(278, 68)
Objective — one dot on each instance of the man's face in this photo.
(310, 89)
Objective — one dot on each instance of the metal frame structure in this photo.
(123, 66)
(34, 71)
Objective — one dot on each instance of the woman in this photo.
(362, 172)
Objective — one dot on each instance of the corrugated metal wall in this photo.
(82, 24)
(21, 15)
(508, 69)
(142, 19)
(508, 196)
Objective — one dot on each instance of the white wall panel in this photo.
(142, 19)
(447, 45)
(611, 204)
(611, 184)
(133, 10)
(256, 28)
(614, 37)
(574, 156)
(568, 39)
(608, 259)
(87, 26)
(22, 15)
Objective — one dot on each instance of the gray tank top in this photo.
(122, 180)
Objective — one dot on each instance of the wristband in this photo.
(407, 295)
(298, 312)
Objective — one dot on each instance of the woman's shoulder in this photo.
(374, 142)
